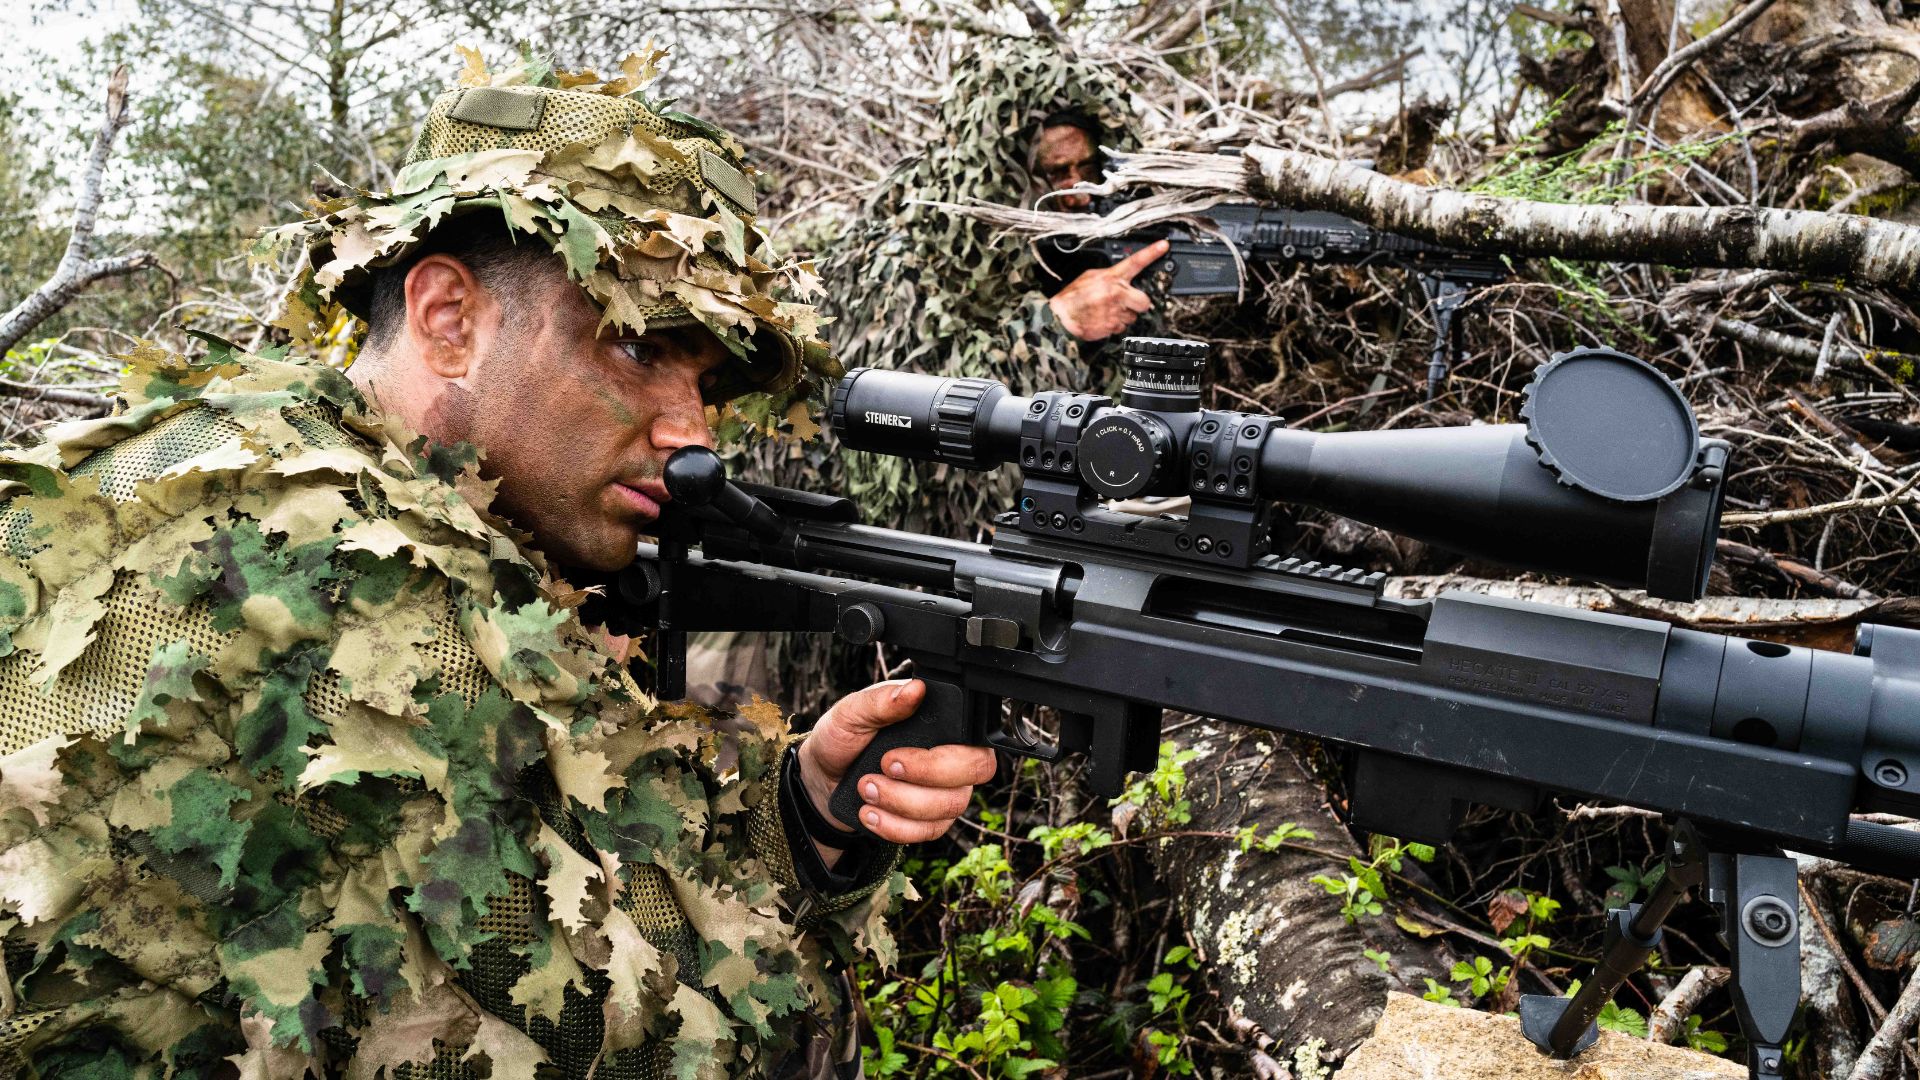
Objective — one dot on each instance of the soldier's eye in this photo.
(640, 352)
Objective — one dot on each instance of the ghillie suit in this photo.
(916, 287)
(308, 763)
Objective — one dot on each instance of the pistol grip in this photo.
(945, 716)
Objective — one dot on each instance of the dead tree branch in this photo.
(1865, 250)
(1669, 1020)
(78, 268)
(1676, 65)
(1882, 1052)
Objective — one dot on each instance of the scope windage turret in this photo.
(1607, 479)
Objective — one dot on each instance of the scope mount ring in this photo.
(1609, 424)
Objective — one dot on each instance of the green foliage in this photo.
(1248, 837)
(1003, 993)
(882, 1059)
(1711, 1042)
(1629, 882)
(987, 868)
(1603, 171)
(1610, 169)
(1002, 1039)
(1617, 1017)
(1362, 890)
(1440, 994)
(1079, 838)
(1162, 792)
(1479, 975)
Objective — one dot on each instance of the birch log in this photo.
(1864, 250)
(1277, 948)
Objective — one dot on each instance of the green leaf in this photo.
(1615, 1017)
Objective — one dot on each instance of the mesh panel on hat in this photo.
(569, 118)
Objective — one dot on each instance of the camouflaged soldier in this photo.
(310, 764)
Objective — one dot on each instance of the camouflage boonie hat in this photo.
(651, 210)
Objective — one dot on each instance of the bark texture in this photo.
(1277, 948)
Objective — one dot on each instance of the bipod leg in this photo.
(1758, 899)
(1563, 1026)
(1444, 298)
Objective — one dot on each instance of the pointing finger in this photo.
(1126, 269)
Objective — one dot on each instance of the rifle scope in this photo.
(1607, 477)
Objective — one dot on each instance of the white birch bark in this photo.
(1864, 250)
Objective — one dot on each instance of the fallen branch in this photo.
(1826, 985)
(62, 394)
(1669, 1020)
(1675, 65)
(1755, 519)
(1882, 1051)
(1822, 923)
(78, 268)
(1794, 570)
(1374, 76)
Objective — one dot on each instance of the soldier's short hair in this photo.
(478, 240)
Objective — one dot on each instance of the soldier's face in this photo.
(577, 424)
(1065, 156)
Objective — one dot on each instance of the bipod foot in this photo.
(1541, 1013)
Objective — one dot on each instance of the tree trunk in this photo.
(1277, 948)
(1651, 36)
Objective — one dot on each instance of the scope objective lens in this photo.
(924, 417)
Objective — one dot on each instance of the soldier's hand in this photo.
(1102, 303)
(921, 792)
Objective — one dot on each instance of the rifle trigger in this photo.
(992, 633)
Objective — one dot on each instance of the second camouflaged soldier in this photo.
(308, 764)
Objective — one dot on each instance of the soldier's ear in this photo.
(446, 308)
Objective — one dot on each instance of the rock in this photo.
(1418, 1040)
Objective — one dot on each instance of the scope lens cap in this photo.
(1608, 423)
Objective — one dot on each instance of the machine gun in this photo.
(1751, 747)
(1198, 263)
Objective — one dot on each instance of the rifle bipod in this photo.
(1756, 896)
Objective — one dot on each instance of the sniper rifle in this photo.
(1750, 747)
(1211, 262)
